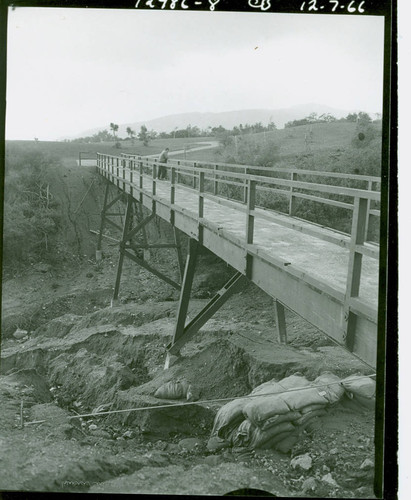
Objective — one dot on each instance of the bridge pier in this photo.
(128, 248)
(280, 322)
(183, 332)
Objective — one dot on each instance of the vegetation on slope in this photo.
(31, 213)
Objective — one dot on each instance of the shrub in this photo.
(31, 214)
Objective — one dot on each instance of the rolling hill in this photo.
(227, 119)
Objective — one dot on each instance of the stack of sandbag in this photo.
(361, 389)
(276, 412)
(177, 389)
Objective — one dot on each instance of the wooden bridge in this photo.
(328, 277)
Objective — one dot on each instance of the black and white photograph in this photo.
(196, 217)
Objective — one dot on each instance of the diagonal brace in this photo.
(138, 228)
(221, 297)
(151, 269)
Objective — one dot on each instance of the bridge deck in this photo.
(307, 273)
(323, 260)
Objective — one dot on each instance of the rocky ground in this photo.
(80, 355)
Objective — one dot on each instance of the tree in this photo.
(144, 135)
(363, 118)
(352, 117)
(131, 133)
(114, 128)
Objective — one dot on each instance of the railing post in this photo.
(245, 186)
(154, 185)
(172, 185)
(131, 183)
(124, 173)
(354, 267)
(200, 195)
(140, 166)
(194, 175)
(117, 172)
(291, 208)
(369, 187)
(215, 179)
(250, 210)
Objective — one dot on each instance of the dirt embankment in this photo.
(80, 356)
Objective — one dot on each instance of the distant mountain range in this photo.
(228, 119)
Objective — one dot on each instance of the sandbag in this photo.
(307, 417)
(243, 435)
(309, 408)
(272, 443)
(359, 385)
(333, 389)
(260, 437)
(278, 419)
(173, 390)
(228, 417)
(295, 400)
(270, 387)
(294, 382)
(260, 409)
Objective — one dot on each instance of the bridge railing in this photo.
(276, 188)
(141, 173)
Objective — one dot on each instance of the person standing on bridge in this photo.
(162, 172)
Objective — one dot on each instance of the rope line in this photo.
(219, 400)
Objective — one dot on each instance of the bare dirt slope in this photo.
(80, 355)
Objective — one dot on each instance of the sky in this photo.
(69, 70)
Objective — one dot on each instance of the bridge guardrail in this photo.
(207, 183)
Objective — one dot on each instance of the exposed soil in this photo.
(80, 355)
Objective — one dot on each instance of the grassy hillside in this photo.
(331, 147)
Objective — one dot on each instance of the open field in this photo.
(71, 150)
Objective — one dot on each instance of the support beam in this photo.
(358, 237)
(179, 253)
(124, 238)
(221, 297)
(103, 215)
(152, 270)
(280, 322)
(191, 261)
